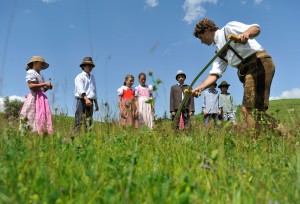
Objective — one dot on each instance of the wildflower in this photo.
(65, 140)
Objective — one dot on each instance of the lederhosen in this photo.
(259, 69)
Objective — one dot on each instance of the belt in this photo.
(252, 58)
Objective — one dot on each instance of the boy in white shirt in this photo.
(85, 95)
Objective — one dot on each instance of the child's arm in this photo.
(33, 86)
(219, 104)
(96, 105)
(233, 106)
(204, 104)
(172, 105)
(119, 101)
(136, 103)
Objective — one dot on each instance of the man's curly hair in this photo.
(204, 24)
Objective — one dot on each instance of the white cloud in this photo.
(257, 1)
(293, 93)
(48, 1)
(11, 98)
(152, 3)
(193, 9)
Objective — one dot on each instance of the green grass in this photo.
(113, 165)
(285, 109)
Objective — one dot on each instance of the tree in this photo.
(12, 107)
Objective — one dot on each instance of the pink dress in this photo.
(146, 115)
(35, 112)
(127, 107)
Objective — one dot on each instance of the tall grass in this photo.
(115, 165)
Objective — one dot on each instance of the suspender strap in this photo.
(235, 52)
(222, 55)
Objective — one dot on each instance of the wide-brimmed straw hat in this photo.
(179, 72)
(223, 83)
(87, 60)
(36, 59)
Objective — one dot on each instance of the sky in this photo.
(134, 36)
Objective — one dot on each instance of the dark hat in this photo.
(223, 83)
(87, 60)
(179, 72)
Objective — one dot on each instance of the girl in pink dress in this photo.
(35, 112)
(127, 103)
(145, 102)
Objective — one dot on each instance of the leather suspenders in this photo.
(224, 53)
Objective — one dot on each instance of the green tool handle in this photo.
(187, 94)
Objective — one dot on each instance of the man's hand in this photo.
(219, 111)
(88, 102)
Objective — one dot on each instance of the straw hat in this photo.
(179, 72)
(223, 83)
(36, 59)
(87, 60)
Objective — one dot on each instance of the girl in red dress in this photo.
(128, 103)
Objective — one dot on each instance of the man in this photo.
(255, 66)
(176, 96)
(85, 94)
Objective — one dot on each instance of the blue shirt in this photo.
(211, 101)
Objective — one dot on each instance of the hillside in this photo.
(282, 109)
(285, 108)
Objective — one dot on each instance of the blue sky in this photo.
(133, 36)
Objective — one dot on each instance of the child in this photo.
(85, 95)
(145, 102)
(212, 105)
(35, 112)
(128, 103)
(176, 96)
(229, 108)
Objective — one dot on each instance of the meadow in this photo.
(116, 165)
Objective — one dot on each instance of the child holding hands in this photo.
(127, 103)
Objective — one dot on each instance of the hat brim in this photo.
(225, 85)
(82, 65)
(29, 65)
(46, 65)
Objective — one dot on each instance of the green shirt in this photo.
(228, 103)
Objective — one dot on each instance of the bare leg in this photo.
(250, 123)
